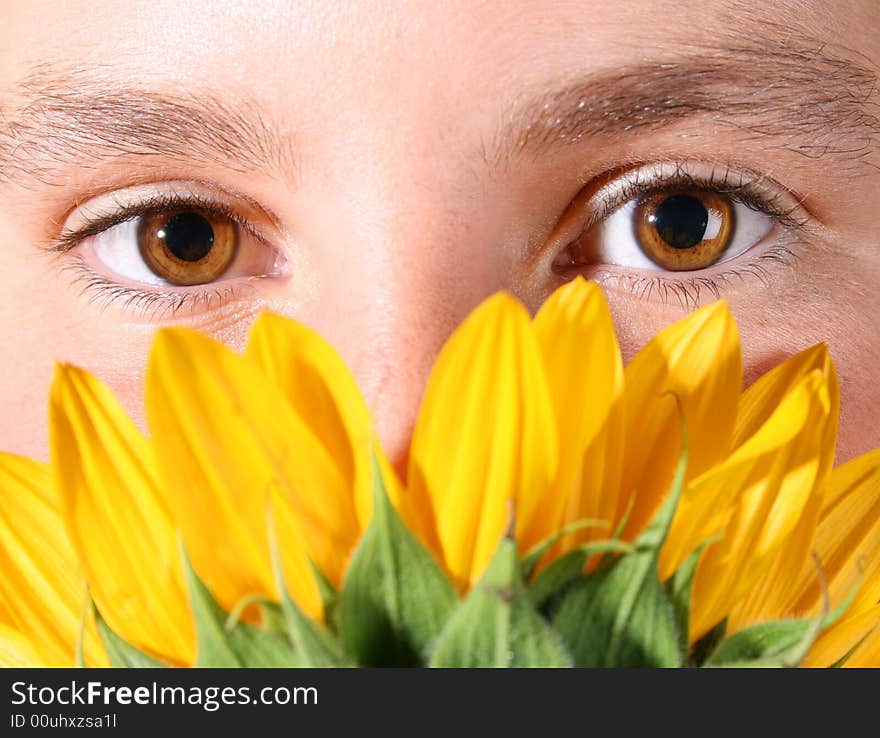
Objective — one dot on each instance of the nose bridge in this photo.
(397, 227)
(428, 269)
(402, 255)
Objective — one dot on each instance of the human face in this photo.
(383, 167)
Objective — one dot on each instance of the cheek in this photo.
(777, 324)
(44, 319)
(29, 314)
(859, 357)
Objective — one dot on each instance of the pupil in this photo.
(188, 236)
(681, 221)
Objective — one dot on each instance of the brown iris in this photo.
(187, 247)
(684, 230)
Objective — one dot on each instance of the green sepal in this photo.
(779, 643)
(706, 645)
(257, 647)
(395, 599)
(329, 596)
(497, 625)
(621, 614)
(766, 644)
(530, 560)
(313, 645)
(122, 655)
(841, 662)
(238, 646)
(652, 538)
(679, 588)
(268, 610)
(80, 655)
(552, 582)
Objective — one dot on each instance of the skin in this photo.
(389, 199)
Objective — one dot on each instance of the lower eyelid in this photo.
(155, 305)
(693, 289)
(157, 300)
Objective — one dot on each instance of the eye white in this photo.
(117, 249)
(614, 241)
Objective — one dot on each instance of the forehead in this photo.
(283, 49)
(362, 73)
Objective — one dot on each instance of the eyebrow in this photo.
(801, 95)
(74, 117)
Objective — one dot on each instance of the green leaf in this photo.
(329, 596)
(313, 645)
(679, 587)
(261, 648)
(534, 554)
(87, 608)
(652, 538)
(705, 646)
(235, 614)
(841, 662)
(213, 647)
(553, 581)
(121, 654)
(763, 641)
(621, 614)
(497, 624)
(241, 645)
(779, 643)
(395, 599)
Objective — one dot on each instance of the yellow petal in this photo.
(754, 500)
(317, 383)
(760, 400)
(41, 587)
(585, 377)
(485, 437)
(16, 651)
(860, 632)
(698, 359)
(775, 594)
(228, 441)
(123, 534)
(847, 540)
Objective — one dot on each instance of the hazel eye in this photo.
(679, 230)
(684, 231)
(187, 247)
(179, 248)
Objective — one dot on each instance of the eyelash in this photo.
(154, 304)
(740, 186)
(689, 290)
(164, 203)
(748, 191)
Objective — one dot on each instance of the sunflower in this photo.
(558, 507)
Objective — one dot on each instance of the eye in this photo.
(675, 217)
(684, 231)
(187, 247)
(184, 247)
(675, 231)
(169, 249)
